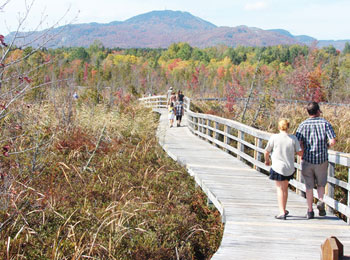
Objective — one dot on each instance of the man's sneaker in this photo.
(310, 215)
(321, 208)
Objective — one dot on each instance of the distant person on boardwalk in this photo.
(168, 95)
(283, 147)
(180, 96)
(172, 98)
(171, 113)
(315, 134)
(179, 112)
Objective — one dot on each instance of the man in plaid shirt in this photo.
(315, 135)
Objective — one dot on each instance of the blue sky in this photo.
(322, 19)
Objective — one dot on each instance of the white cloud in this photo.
(255, 6)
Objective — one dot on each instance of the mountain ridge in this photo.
(159, 29)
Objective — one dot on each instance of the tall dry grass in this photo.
(97, 186)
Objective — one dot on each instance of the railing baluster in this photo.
(330, 186)
(207, 132)
(348, 218)
(298, 178)
(258, 155)
(240, 146)
(215, 133)
(227, 130)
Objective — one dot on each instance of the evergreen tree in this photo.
(346, 48)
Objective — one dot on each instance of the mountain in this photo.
(159, 29)
(304, 39)
(171, 19)
(339, 44)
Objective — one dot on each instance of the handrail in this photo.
(248, 143)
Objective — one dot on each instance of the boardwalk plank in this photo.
(247, 200)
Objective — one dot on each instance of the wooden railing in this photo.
(247, 144)
(154, 101)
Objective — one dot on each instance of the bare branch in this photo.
(3, 5)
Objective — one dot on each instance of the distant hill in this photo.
(162, 28)
(304, 39)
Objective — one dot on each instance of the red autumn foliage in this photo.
(86, 71)
(174, 64)
(306, 79)
(6, 149)
(22, 79)
(221, 72)
(2, 40)
(77, 140)
(233, 90)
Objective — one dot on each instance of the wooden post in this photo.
(330, 186)
(215, 134)
(204, 122)
(257, 155)
(332, 249)
(298, 177)
(240, 146)
(348, 218)
(195, 126)
(207, 132)
(190, 123)
(226, 139)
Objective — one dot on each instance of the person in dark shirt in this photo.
(180, 96)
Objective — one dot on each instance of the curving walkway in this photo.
(247, 201)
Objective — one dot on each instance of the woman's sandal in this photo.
(283, 216)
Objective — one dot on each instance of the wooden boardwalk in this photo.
(247, 201)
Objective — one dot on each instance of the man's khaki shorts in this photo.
(314, 173)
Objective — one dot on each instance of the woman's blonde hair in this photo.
(283, 124)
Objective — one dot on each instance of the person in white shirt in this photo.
(283, 147)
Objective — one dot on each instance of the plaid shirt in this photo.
(178, 109)
(314, 134)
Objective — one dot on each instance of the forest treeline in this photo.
(289, 72)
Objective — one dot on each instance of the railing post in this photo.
(207, 132)
(240, 146)
(190, 123)
(348, 218)
(332, 249)
(298, 177)
(330, 186)
(258, 155)
(195, 124)
(227, 130)
(215, 133)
